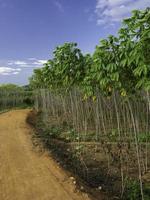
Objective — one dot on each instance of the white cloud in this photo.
(15, 67)
(59, 6)
(18, 62)
(15, 73)
(9, 71)
(100, 21)
(118, 2)
(40, 62)
(110, 11)
(28, 63)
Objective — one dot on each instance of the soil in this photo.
(26, 174)
(90, 169)
(90, 174)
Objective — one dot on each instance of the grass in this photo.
(133, 191)
(4, 111)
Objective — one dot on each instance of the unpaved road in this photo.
(24, 174)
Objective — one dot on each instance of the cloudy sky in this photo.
(31, 29)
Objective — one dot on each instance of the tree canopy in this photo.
(118, 63)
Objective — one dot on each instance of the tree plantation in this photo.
(99, 105)
(14, 96)
(92, 111)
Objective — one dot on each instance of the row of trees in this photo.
(13, 96)
(118, 63)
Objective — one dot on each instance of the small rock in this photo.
(100, 188)
(82, 188)
(74, 182)
(72, 178)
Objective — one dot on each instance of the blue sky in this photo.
(31, 29)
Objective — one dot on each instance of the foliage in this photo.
(119, 63)
(135, 48)
(10, 87)
(15, 96)
(133, 191)
(144, 137)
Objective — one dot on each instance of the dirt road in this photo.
(24, 174)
